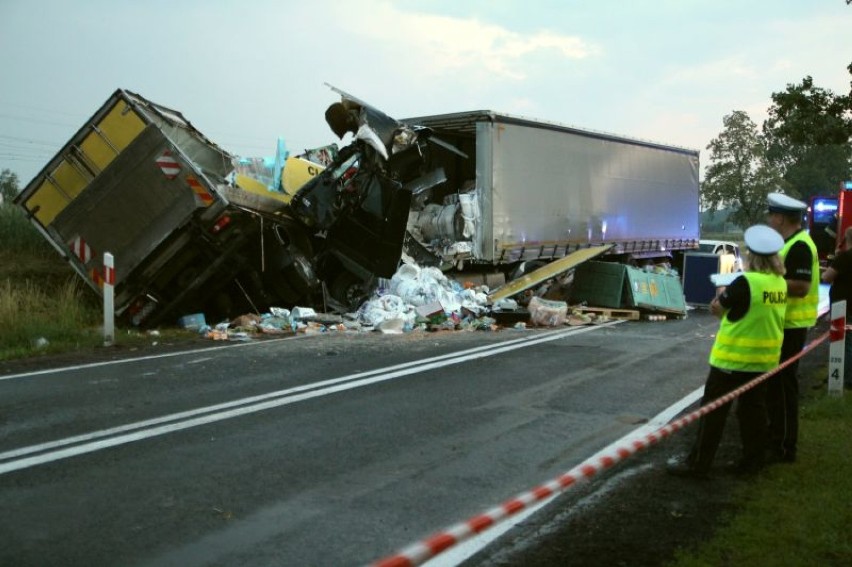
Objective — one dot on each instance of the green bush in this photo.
(17, 234)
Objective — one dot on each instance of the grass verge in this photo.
(796, 514)
(45, 308)
(35, 320)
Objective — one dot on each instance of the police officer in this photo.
(801, 263)
(747, 345)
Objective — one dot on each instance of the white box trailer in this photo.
(539, 190)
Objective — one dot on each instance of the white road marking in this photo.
(467, 549)
(138, 431)
(138, 358)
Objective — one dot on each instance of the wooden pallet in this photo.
(626, 314)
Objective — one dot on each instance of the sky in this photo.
(250, 71)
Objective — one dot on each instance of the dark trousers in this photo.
(751, 413)
(782, 398)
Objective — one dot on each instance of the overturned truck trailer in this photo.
(469, 191)
(140, 182)
(534, 191)
(190, 234)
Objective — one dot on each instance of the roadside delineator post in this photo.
(109, 299)
(837, 350)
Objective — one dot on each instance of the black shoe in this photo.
(685, 470)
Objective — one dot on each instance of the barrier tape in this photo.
(428, 548)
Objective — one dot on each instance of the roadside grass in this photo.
(45, 307)
(17, 232)
(36, 320)
(62, 319)
(795, 514)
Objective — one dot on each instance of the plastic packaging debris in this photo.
(414, 299)
(279, 312)
(379, 309)
(302, 313)
(505, 304)
(430, 309)
(393, 326)
(547, 313)
(192, 322)
(247, 321)
(310, 328)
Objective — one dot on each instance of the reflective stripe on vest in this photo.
(753, 344)
(802, 311)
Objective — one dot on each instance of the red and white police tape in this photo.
(428, 548)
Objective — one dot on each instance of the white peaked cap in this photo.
(763, 240)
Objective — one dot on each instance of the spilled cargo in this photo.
(481, 197)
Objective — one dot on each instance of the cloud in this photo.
(439, 45)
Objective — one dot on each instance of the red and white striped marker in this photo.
(81, 249)
(837, 349)
(168, 165)
(428, 548)
(109, 300)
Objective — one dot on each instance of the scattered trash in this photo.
(418, 299)
(246, 322)
(302, 313)
(40, 343)
(192, 322)
(546, 312)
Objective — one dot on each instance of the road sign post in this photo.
(837, 350)
(109, 299)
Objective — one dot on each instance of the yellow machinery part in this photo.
(546, 272)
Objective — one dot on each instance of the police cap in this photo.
(784, 204)
(763, 240)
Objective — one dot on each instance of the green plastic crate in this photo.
(599, 284)
(658, 292)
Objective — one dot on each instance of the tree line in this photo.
(803, 148)
(8, 185)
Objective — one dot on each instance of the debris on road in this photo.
(407, 227)
(423, 299)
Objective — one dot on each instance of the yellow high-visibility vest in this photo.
(802, 311)
(753, 343)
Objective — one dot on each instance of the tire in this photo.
(349, 289)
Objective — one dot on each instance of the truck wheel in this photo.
(349, 289)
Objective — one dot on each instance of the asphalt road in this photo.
(337, 449)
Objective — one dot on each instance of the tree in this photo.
(739, 176)
(8, 185)
(809, 135)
